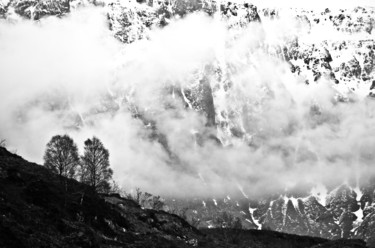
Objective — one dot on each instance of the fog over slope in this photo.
(70, 75)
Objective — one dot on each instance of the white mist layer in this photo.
(71, 76)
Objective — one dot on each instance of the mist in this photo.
(70, 75)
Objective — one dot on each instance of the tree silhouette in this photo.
(95, 165)
(61, 156)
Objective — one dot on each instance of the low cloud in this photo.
(70, 75)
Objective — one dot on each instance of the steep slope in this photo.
(40, 210)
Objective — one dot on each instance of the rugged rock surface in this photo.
(346, 64)
(34, 9)
(337, 215)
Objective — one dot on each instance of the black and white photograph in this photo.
(187, 123)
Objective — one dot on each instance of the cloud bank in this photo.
(71, 76)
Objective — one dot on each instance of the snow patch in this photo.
(359, 193)
(4, 2)
(256, 221)
(359, 215)
(242, 191)
(320, 193)
(293, 200)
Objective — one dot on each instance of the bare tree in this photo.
(61, 156)
(95, 165)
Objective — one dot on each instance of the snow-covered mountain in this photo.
(330, 49)
(344, 212)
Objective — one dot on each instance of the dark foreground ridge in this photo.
(38, 209)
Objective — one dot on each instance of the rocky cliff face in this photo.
(347, 65)
(34, 9)
(342, 213)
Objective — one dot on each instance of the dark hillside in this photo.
(271, 239)
(37, 211)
